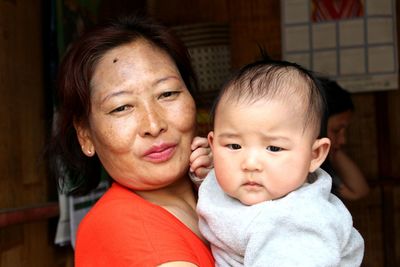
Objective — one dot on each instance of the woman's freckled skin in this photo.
(140, 104)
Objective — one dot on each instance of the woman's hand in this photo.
(354, 185)
(201, 160)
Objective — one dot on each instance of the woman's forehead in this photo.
(136, 61)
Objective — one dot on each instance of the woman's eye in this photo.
(274, 148)
(234, 146)
(121, 109)
(169, 94)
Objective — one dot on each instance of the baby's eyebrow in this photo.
(267, 137)
(228, 135)
(276, 138)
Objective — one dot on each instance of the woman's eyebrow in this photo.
(114, 94)
(166, 78)
(129, 92)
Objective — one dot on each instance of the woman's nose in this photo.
(152, 122)
(252, 161)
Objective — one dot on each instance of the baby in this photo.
(267, 202)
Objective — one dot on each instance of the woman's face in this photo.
(142, 117)
(337, 126)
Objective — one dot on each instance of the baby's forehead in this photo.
(295, 96)
(293, 92)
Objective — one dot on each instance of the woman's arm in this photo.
(354, 185)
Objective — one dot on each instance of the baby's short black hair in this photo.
(267, 78)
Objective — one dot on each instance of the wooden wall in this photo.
(23, 179)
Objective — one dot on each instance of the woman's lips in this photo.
(160, 153)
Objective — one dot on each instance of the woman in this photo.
(348, 180)
(126, 100)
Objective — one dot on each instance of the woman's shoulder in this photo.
(122, 224)
(121, 209)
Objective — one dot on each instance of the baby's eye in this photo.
(234, 146)
(274, 148)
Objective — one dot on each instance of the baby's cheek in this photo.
(223, 172)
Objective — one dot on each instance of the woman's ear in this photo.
(84, 139)
(210, 138)
(320, 150)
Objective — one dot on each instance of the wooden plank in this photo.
(368, 220)
(394, 130)
(396, 221)
(23, 180)
(39, 212)
(388, 228)
(180, 12)
(28, 77)
(362, 135)
(384, 164)
(254, 23)
(383, 137)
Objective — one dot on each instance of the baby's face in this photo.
(261, 150)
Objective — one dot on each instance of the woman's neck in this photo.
(179, 191)
(178, 199)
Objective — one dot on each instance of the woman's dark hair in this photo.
(338, 99)
(76, 173)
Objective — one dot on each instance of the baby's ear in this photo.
(210, 138)
(320, 150)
